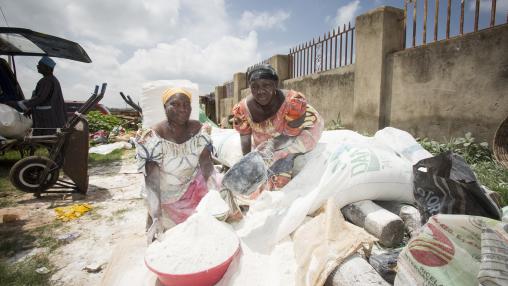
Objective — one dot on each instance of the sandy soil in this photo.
(118, 212)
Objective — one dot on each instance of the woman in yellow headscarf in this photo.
(175, 157)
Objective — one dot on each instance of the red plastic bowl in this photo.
(203, 278)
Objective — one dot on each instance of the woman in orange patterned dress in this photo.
(281, 119)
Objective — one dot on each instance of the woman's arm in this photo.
(152, 188)
(245, 140)
(205, 163)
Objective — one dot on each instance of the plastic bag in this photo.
(445, 184)
(403, 143)
(244, 177)
(351, 171)
(108, 148)
(12, 123)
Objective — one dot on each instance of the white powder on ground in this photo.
(212, 204)
(198, 244)
(276, 267)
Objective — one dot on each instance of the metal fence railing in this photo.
(457, 14)
(334, 50)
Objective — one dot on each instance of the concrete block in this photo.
(355, 271)
(408, 213)
(392, 206)
(386, 226)
(412, 219)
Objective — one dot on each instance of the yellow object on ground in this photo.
(72, 212)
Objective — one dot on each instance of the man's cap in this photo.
(47, 61)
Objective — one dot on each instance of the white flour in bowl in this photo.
(212, 204)
(198, 244)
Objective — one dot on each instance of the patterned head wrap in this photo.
(172, 91)
(262, 71)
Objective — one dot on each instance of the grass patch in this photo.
(116, 155)
(480, 159)
(335, 124)
(46, 235)
(120, 212)
(94, 213)
(493, 176)
(16, 239)
(9, 195)
(23, 273)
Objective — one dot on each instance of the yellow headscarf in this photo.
(172, 91)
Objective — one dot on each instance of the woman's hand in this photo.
(155, 231)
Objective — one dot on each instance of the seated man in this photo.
(47, 103)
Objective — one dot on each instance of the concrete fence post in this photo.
(220, 93)
(239, 83)
(281, 65)
(378, 33)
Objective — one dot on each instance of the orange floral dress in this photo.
(303, 138)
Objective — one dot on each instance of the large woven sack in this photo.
(12, 123)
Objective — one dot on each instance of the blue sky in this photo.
(132, 42)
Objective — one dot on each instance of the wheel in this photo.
(24, 175)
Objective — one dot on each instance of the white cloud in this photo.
(346, 13)
(263, 20)
(131, 42)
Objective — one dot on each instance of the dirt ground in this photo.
(118, 212)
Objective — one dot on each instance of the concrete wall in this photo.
(440, 90)
(447, 88)
(330, 92)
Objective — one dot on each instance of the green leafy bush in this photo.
(335, 124)
(98, 121)
(479, 157)
(465, 146)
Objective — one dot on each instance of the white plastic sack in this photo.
(226, 145)
(345, 166)
(403, 143)
(151, 101)
(12, 123)
(108, 148)
(349, 172)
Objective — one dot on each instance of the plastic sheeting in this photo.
(345, 166)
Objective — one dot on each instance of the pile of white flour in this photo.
(212, 204)
(198, 244)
